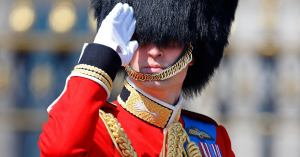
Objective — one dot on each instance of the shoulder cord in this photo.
(117, 134)
(174, 139)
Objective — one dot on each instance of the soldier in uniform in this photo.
(169, 50)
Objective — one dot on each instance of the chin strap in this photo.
(165, 74)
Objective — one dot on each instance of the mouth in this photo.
(152, 69)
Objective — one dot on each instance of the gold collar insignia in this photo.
(147, 108)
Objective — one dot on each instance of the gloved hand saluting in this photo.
(116, 31)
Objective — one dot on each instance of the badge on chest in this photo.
(204, 135)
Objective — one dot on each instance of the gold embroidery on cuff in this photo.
(94, 75)
(95, 69)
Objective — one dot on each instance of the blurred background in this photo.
(255, 93)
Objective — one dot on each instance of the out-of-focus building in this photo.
(255, 93)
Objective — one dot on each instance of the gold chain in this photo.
(165, 74)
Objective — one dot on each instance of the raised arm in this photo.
(74, 114)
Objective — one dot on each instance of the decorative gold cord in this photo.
(117, 134)
(176, 138)
(165, 74)
(193, 150)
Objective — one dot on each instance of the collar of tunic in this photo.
(148, 108)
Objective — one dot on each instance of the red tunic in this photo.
(75, 129)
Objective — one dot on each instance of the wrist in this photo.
(102, 57)
(98, 63)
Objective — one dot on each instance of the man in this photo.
(169, 50)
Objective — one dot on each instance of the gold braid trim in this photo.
(117, 134)
(165, 74)
(176, 138)
(95, 75)
(193, 150)
(96, 70)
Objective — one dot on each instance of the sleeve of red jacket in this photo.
(224, 142)
(73, 116)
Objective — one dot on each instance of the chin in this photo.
(148, 84)
(156, 85)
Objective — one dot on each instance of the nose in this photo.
(154, 51)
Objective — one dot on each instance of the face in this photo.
(152, 59)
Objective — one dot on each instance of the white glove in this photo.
(116, 31)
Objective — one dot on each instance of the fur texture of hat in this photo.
(204, 23)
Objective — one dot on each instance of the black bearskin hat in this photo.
(204, 23)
